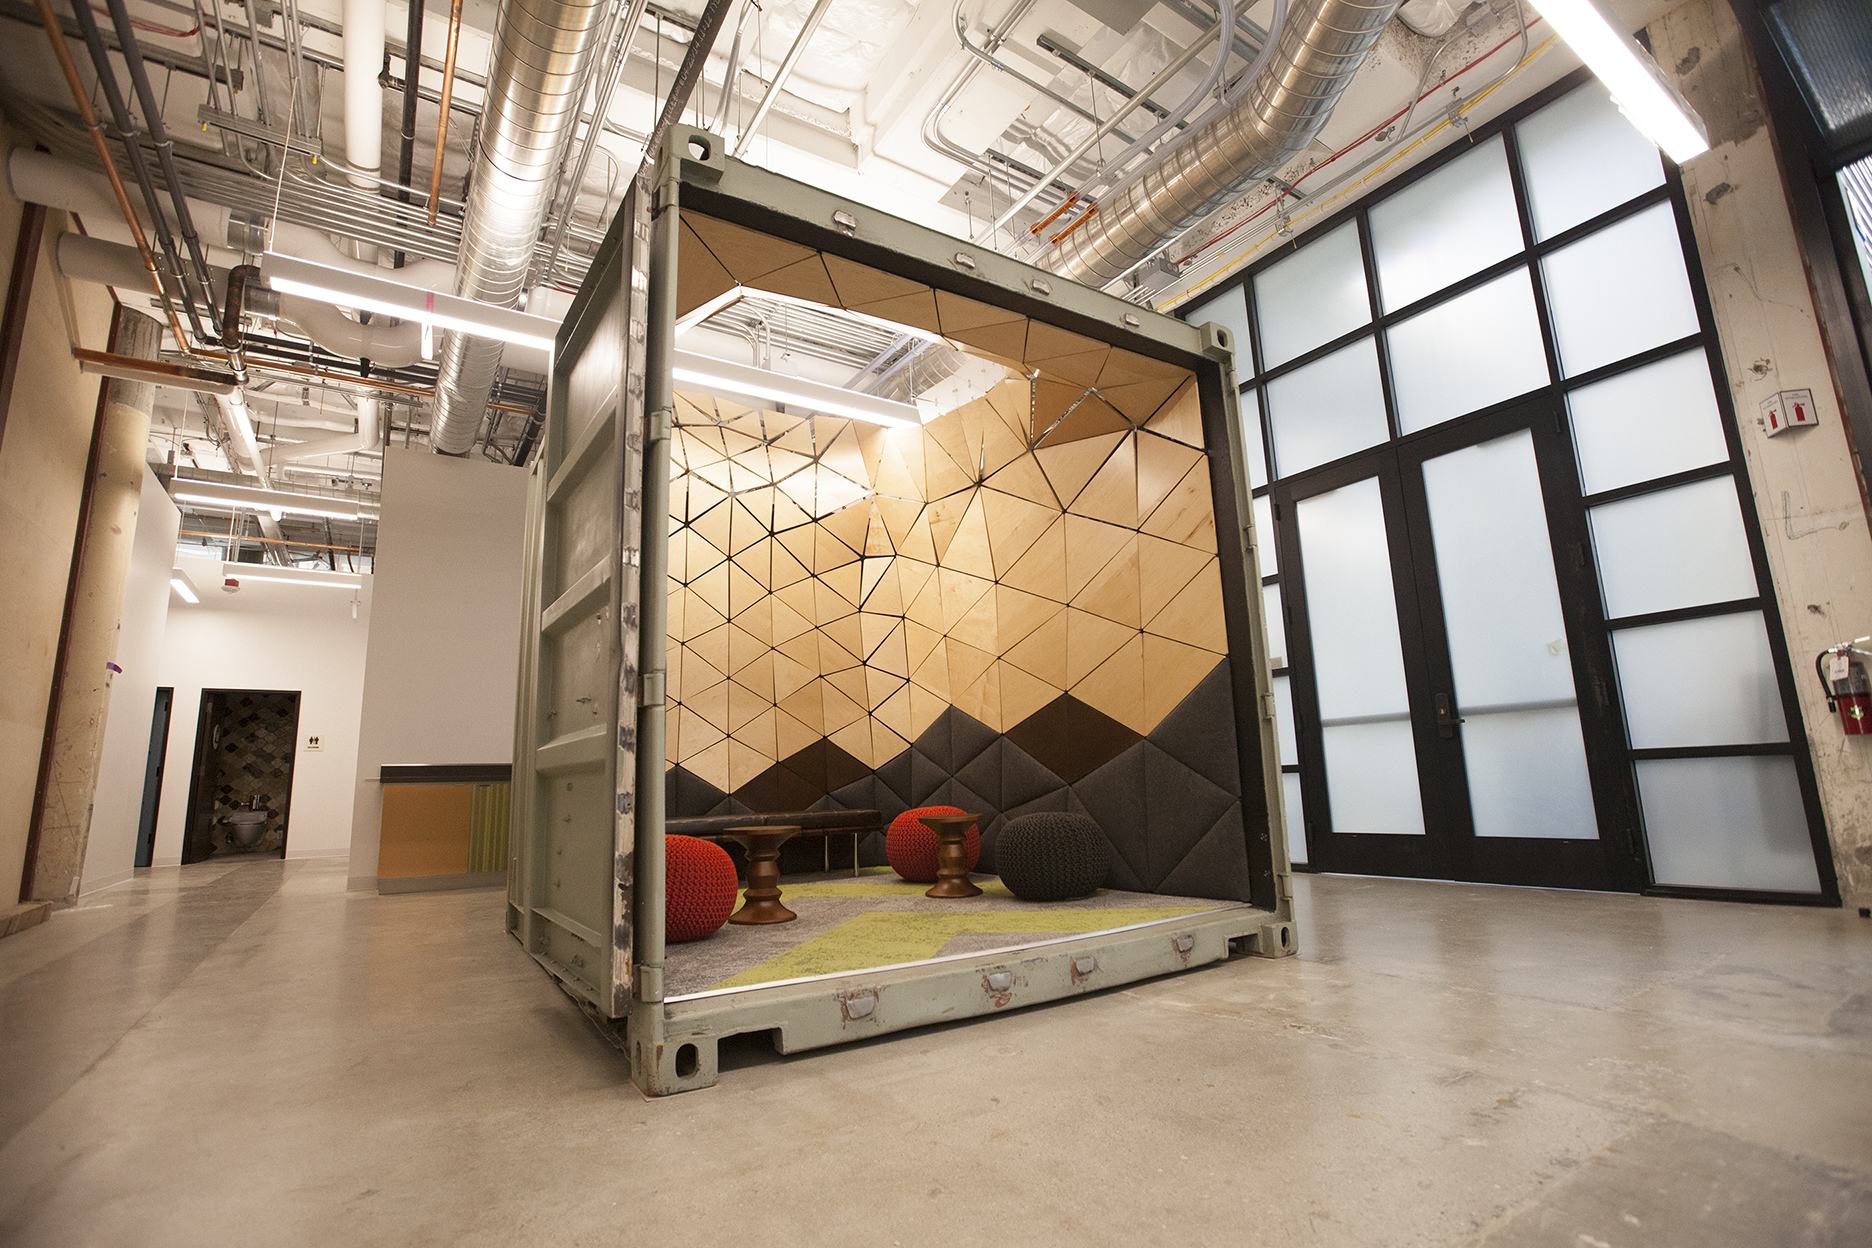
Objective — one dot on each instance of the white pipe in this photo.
(393, 346)
(367, 437)
(363, 97)
(240, 426)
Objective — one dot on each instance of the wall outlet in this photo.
(314, 743)
(1790, 409)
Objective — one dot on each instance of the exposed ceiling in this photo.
(943, 113)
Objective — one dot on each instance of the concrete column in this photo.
(1805, 489)
(97, 615)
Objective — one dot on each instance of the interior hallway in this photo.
(249, 1054)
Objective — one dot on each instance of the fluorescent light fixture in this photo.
(244, 577)
(185, 489)
(734, 295)
(1638, 86)
(288, 576)
(289, 275)
(759, 387)
(181, 586)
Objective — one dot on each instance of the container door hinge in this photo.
(661, 421)
(651, 687)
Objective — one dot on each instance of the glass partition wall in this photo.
(1519, 613)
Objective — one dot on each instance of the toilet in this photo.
(246, 827)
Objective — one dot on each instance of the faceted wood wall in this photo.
(833, 580)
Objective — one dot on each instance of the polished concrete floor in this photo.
(246, 1054)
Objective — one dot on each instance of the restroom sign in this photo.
(1790, 409)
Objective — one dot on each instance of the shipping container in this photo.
(956, 532)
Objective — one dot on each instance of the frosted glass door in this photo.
(1358, 660)
(1523, 752)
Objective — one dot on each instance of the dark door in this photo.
(245, 744)
(152, 777)
(1459, 724)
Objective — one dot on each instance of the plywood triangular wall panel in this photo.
(831, 581)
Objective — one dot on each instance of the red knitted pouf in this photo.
(911, 847)
(699, 888)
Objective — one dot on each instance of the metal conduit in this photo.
(541, 47)
(1321, 48)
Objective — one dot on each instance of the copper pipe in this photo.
(1053, 216)
(179, 373)
(50, 21)
(448, 90)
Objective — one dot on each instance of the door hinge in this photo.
(1446, 716)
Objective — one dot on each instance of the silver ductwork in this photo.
(1321, 48)
(533, 99)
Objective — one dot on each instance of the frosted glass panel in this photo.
(1229, 310)
(1313, 296)
(1276, 626)
(1296, 818)
(1501, 605)
(1522, 748)
(1463, 355)
(1681, 547)
(1699, 682)
(1580, 157)
(1284, 721)
(1251, 437)
(1444, 227)
(1264, 536)
(1727, 823)
(1619, 292)
(1351, 611)
(1328, 409)
(1648, 423)
(1371, 778)
(1527, 774)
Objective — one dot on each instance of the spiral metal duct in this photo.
(533, 98)
(1322, 47)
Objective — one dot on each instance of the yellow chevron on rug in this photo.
(886, 939)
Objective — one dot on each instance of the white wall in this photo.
(445, 627)
(271, 636)
(110, 852)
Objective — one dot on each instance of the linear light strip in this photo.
(759, 386)
(297, 580)
(289, 275)
(181, 587)
(1637, 85)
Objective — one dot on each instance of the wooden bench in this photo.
(821, 823)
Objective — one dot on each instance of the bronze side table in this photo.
(761, 902)
(952, 867)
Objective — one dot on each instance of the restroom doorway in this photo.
(245, 742)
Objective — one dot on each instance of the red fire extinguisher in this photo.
(1848, 690)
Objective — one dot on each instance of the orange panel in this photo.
(425, 830)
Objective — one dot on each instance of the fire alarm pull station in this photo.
(1848, 690)
(1790, 409)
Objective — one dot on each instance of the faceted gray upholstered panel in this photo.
(1174, 827)
(1169, 804)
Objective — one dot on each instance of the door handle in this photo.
(1446, 717)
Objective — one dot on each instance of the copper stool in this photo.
(952, 868)
(761, 902)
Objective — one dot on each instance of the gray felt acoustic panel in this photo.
(1169, 803)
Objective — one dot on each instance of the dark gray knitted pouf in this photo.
(1052, 856)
